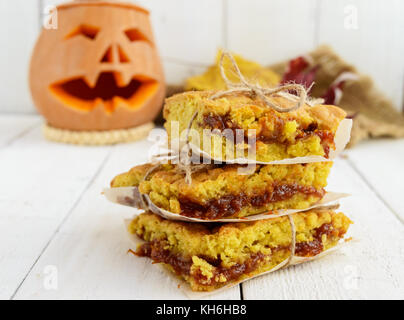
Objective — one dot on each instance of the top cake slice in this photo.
(307, 131)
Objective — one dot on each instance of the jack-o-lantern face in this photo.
(99, 69)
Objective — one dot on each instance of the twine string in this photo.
(146, 176)
(185, 161)
(184, 156)
(293, 231)
(256, 90)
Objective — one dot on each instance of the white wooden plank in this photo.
(188, 30)
(46, 3)
(270, 31)
(40, 183)
(90, 250)
(368, 269)
(373, 44)
(12, 126)
(177, 72)
(19, 26)
(381, 162)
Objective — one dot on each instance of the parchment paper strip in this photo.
(130, 196)
(341, 139)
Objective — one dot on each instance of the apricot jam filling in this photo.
(232, 204)
(156, 250)
(274, 135)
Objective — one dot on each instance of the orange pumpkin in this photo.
(99, 70)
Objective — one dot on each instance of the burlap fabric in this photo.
(373, 113)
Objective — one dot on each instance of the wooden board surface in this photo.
(370, 267)
(61, 239)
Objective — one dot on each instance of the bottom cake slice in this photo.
(211, 255)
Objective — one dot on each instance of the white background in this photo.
(189, 32)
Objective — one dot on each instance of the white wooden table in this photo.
(60, 239)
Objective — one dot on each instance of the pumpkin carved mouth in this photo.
(78, 94)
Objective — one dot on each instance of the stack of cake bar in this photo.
(244, 213)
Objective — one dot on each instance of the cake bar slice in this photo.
(222, 192)
(211, 255)
(308, 131)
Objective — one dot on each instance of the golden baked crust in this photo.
(303, 132)
(209, 256)
(221, 192)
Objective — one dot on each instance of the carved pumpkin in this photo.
(99, 70)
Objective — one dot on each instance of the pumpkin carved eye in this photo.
(84, 30)
(134, 34)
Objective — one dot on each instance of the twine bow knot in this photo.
(184, 157)
(256, 90)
